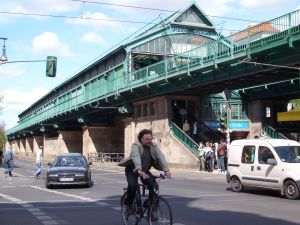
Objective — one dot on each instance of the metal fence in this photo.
(105, 157)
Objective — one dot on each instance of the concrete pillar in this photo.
(22, 146)
(70, 141)
(37, 142)
(29, 146)
(256, 114)
(102, 139)
(51, 146)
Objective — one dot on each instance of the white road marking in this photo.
(65, 194)
(36, 212)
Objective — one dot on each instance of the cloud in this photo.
(258, 4)
(97, 20)
(92, 37)
(11, 71)
(35, 7)
(17, 100)
(49, 43)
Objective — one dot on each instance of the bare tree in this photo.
(1, 100)
(2, 134)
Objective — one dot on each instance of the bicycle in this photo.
(159, 212)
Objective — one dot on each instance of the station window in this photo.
(268, 112)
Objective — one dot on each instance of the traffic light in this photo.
(51, 66)
(223, 123)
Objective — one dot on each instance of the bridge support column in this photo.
(256, 114)
(14, 145)
(69, 141)
(29, 146)
(22, 147)
(37, 142)
(102, 139)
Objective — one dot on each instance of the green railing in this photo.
(271, 132)
(281, 30)
(186, 140)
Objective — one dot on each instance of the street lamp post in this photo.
(51, 61)
(3, 57)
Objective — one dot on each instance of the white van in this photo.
(265, 163)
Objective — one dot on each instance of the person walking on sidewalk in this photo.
(38, 162)
(8, 160)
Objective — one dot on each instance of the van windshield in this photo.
(289, 154)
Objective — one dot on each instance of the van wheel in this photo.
(236, 184)
(291, 190)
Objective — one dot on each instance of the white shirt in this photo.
(207, 150)
(39, 155)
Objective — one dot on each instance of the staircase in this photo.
(185, 139)
(208, 134)
(268, 131)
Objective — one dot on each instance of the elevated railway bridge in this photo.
(181, 62)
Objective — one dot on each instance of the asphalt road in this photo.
(196, 199)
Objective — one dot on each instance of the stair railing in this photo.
(185, 139)
(271, 132)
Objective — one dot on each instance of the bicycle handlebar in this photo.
(161, 176)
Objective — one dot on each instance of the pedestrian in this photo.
(195, 131)
(1, 157)
(8, 160)
(201, 156)
(183, 114)
(208, 154)
(222, 153)
(186, 127)
(38, 162)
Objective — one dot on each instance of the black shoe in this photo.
(10, 175)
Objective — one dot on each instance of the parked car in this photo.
(265, 163)
(69, 169)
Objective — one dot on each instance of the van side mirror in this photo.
(49, 164)
(272, 162)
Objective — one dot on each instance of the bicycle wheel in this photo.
(160, 213)
(128, 219)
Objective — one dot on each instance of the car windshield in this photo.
(289, 154)
(69, 161)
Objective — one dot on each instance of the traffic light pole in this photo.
(228, 112)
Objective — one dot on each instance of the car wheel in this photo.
(291, 190)
(236, 184)
(48, 185)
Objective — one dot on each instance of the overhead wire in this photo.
(162, 10)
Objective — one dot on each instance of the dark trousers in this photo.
(132, 180)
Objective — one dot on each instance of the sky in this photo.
(80, 32)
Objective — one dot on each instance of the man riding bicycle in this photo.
(144, 154)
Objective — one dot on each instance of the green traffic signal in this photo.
(223, 123)
(51, 66)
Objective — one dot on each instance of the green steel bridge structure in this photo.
(261, 61)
